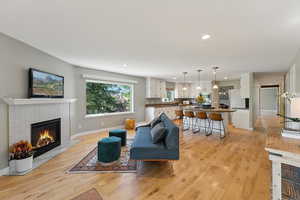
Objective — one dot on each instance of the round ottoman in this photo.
(121, 133)
(109, 149)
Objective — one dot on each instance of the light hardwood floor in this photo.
(209, 168)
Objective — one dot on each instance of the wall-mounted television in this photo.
(45, 85)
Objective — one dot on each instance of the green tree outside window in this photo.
(108, 98)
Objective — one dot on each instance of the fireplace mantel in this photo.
(14, 101)
(23, 113)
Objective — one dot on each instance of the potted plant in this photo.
(22, 153)
(200, 99)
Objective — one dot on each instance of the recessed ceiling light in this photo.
(205, 37)
(225, 77)
(125, 65)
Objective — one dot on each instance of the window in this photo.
(108, 98)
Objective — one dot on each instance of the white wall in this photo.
(292, 81)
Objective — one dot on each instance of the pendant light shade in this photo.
(215, 77)
(184, 83)
(199, 83)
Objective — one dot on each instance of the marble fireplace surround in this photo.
(24, 112)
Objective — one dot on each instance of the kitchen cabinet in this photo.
(205, 88)
(180, 93)
(155, 88)
(245, 85)
(241, 119)
(153, 112)
(192, 91)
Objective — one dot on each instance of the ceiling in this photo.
(160, 38)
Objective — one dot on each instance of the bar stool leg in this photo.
(212, 126)
(195, 128)
(225, 133)
(185, 123)
(209, 131)
(220, 129)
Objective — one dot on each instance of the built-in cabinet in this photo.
(192, 91)
(245, 85)
(155, 88)
(180, 93)
(241, 119)
(153, 112)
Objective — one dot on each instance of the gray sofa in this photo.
(144, 149)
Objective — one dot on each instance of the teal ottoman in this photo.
(121, 133)
(109, 149)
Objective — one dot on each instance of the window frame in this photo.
(132, 110)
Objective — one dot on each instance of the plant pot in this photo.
(24, 164)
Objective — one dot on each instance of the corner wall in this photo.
(17, 57)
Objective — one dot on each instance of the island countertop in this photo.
(221, 110)
(159, 105)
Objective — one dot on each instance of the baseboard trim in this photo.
(4, 171)
(100, 130)
(94, 131)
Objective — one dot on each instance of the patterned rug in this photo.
(91, 194)
(90, 163)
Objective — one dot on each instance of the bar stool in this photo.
(202, 117)
(188, 120)
(217, 117)
(179, 114)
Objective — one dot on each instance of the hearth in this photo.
(45, 136)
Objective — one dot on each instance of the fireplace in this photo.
(45, 136)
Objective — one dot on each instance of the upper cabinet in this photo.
(155, 88)
(191, 89)
(180, 92)
(245, 85)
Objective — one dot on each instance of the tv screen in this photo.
(45, 85)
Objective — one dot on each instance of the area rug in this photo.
(90, 163)
(91, 194)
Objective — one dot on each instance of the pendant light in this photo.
(199, 84)
(184, 83)
(215, 74)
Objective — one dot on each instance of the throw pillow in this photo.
(158, 133)
(155, 121)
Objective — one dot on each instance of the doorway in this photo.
(269, 100)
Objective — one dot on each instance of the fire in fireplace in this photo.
(45, 136)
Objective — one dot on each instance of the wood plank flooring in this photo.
(236, 168)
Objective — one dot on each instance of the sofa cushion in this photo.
(158, 133)
(172, 133)
(155, 121)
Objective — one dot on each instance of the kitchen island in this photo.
(154, 110)
(226, 115)
(285, 156)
